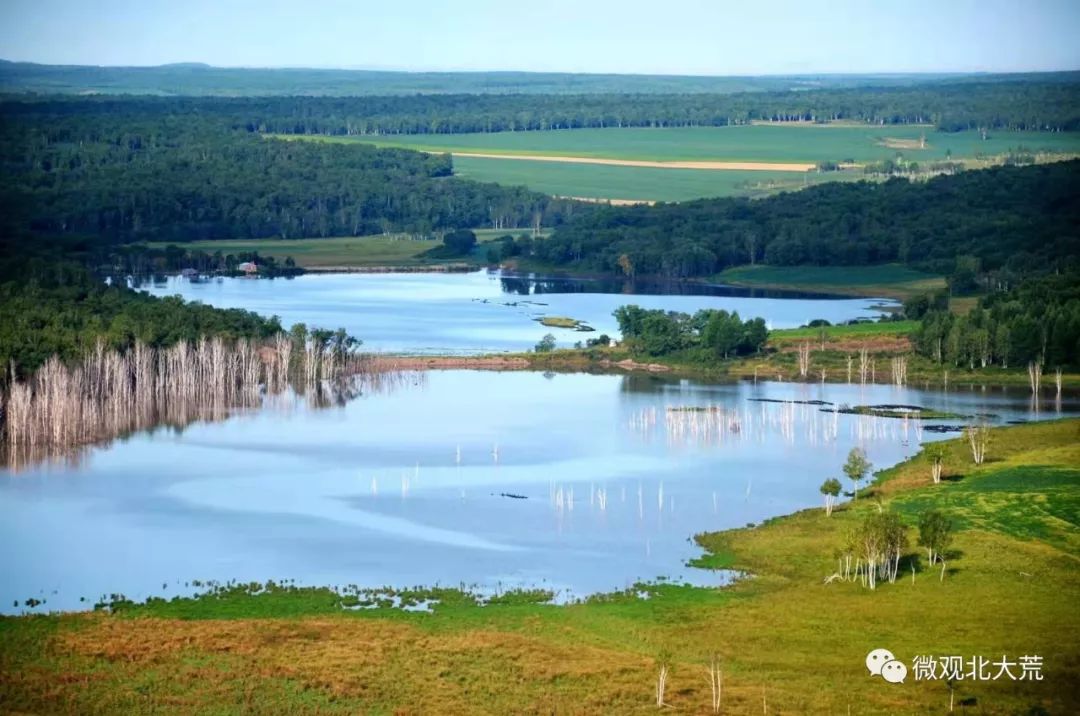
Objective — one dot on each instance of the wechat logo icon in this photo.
(881, 662)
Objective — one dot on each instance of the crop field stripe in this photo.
(702, 166)
(634, 184)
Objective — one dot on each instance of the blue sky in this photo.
(648, 36)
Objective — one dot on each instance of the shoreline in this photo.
(569, 360)
(407, 268)
(508, 362)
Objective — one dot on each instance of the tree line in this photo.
(988, 225)
(198, 79)
(1024, 103)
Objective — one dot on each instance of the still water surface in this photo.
(484, 312)
(405, 487)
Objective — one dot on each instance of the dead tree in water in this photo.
(1035, 376)
(899, 370)
(109, 393)
(864, 364)
(804, 359)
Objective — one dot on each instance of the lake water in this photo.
(405, 487)
(485, 312)
(575, 483)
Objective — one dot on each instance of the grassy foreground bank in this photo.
(786, 642)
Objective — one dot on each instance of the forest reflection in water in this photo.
(62, 409)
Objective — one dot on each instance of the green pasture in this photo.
(748, 143)
(394, 250)
(598, 181)
(887, 280)
(857, 330)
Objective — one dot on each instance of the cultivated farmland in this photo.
(764, 144)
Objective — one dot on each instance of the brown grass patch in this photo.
(612, 202)
(362, 660)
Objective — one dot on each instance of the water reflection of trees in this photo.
(790, 423)
(64, 408)
(526, 285)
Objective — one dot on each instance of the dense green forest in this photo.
(1051, 106)
(1032, 104)
(1038, 320)
(708, 335)
(51, 303)
(170, 170)
(98, 173)
(128, 175)
(1009, 220)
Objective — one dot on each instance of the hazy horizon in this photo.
(512, 70)
(685, 37)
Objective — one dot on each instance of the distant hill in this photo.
(195, 78)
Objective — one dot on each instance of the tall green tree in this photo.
(856, 468)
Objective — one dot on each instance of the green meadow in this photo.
(887, 280)
(748, 143)
(598, 181)
(853, 331)
(745, 143)
(394, 250)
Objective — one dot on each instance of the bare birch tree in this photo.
(936, 453)
(1035, 376)
(978, 438)
(804, 359)
(716, 684)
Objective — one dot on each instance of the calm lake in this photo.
(575, 483)
(486, 312)
(406, 487)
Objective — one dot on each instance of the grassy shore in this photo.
(349, 251)
(786, 642)
(885, 281)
